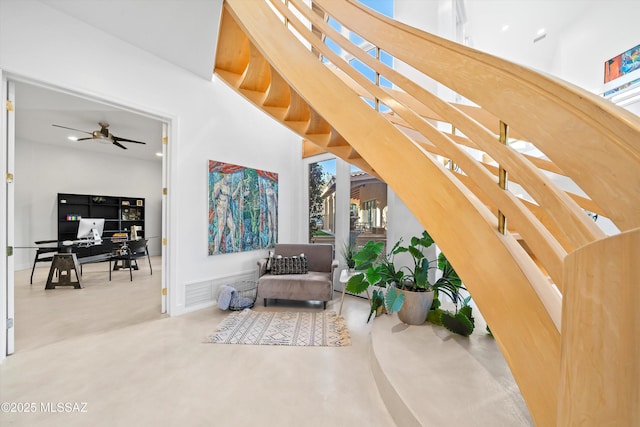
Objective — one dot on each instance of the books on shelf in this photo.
(119, 237)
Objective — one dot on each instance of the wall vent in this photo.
(196, 294)
(205, 293)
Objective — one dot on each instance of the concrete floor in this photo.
(105, 356)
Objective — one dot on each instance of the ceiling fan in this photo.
(103, 135)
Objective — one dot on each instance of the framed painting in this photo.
(622, 64)
(243, 208)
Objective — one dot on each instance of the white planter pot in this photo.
(415, 307)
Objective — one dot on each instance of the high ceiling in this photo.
(37, 109)
(165, 27)
(183, 32)
(162, 28)
(508, 28)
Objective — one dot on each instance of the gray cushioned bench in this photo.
(315, 285)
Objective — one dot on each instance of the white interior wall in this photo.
(607, 29)
(42, 171)
(403, 225)
(208, 121)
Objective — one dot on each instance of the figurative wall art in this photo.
(622, 64)
(243, 208)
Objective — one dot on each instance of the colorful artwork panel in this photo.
(622, 64)
(243, 208)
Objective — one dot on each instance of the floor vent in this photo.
(201, 294)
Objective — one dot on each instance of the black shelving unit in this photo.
(119, 213)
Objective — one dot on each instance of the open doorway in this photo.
(48, 162)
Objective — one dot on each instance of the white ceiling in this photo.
(38, 108)
(161, 27)
(183, 32)
(487, 18)
(166, 27)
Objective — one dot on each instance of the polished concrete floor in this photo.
(105, 356)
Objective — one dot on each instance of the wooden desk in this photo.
(66, 261)
(63, 264)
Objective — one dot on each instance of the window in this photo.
(322, 201)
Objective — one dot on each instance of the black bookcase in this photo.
(119, 213)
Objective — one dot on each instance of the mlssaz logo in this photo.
(63, 407)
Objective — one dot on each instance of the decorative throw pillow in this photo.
(269, 261)
(289, 265)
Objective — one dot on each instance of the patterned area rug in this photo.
(324, 328)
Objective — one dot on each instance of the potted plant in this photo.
(407, 290)
(348, 250)
(415, 286)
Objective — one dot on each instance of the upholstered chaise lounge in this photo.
(314, 285)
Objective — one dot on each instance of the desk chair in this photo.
(129, 254)
(48, 255)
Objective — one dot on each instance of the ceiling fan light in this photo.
(72, 138)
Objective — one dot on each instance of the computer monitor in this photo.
(91, 228)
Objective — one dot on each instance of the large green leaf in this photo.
(396, 247)
(467, 312)
(457, 323)
(421, 274)
(373, 275)
(415, 252)
(399, 250)
(394, 300)
(356, 284)
(434, 316)
(368, 254)
(426, 239)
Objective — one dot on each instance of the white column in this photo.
(343, 194)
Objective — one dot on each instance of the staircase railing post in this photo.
(452, 165)
(503, 176)
(377, 101)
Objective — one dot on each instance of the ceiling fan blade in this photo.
(119, 145)
(78, 130)
(83, 139)
(115, 138)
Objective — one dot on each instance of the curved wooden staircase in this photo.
(559, 294)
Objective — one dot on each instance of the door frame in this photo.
(6, 299)
(7, 158)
